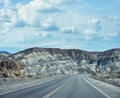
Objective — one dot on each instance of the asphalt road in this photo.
(69, 86)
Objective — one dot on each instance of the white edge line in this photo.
(97, 88)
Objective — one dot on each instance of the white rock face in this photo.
(49, 61)
(46, 63)
(109, 61)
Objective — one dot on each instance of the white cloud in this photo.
(69, 30)
(114, 18)
(93, 21)
(41, 34)
(89, 34)
(52, 21)
(60, 43)
(11, 38)
(36, 11)
(9, 17)
(49, 25)
(44, 34)
(33, 14)
(92, 29)
(64, 1)
(108, 36)
(111, 18)
(30, 14)
(95, 24)
(27, 13)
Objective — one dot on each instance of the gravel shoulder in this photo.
(10, 84)
(103, 84)
(111, 90)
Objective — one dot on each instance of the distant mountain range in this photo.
(5, 52)
(50, 61)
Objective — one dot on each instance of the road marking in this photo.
(97, 88)
(55, 90)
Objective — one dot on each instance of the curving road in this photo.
(68, 86)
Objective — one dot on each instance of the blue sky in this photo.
(92, 25)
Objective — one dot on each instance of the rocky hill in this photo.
(49, 61)
(109, 60)
(11, 68)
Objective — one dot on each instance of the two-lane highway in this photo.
(68, 86)
(77, 87)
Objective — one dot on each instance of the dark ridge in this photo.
(5, 52)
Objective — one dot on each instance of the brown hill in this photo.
(11, 68)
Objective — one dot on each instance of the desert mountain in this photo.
(49, 61)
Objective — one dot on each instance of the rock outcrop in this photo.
(49, 61)
(3, 58)
(109, 61)
(11, 68)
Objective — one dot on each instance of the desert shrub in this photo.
(107, 76)
(30, 76)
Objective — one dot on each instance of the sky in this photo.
(92, 25)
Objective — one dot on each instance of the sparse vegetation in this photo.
(111, 78)
(30, 76)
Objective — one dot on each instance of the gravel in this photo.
(12, 84)
(111, 90)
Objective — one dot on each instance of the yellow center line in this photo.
(55, 90)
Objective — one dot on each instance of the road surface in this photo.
(68, 86)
